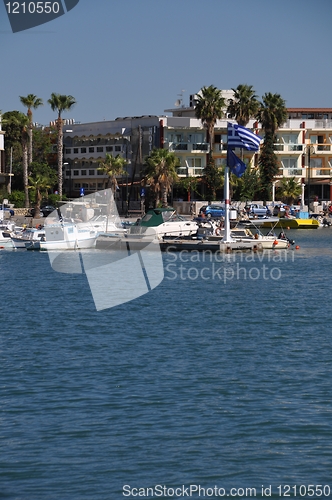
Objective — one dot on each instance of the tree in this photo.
(189, 184)
(112, 167)
(244, 105)
(272, 114)
(209, 108)
(248, 185)
(17, 125)
(60, 103)
(214, 179)
(30, 101)
(289, 189)
(39, 184)
(160, 173)
(268, 167)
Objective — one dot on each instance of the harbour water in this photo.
(218, 380)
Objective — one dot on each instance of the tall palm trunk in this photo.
(30, 137)
(164, 195)
(25, 171)
(60, 155)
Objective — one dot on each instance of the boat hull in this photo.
(129, 243)
(293, 223)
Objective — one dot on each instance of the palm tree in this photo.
(60, 103)
(272, 113)
(112, 167)
(244, 105)
(31, 101)
(289, 189)
(19, 122)
(160, 173)
(40, 184)
(209, 108)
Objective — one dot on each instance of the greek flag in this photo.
(241, 137)
(236, 165)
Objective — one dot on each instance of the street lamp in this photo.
(310, 150)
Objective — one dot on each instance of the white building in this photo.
(306, 135)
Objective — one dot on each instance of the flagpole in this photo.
(227, 233)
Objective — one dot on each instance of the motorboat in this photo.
(238, 234)
(291, 223)
(166, 222)
(27, 238)
(65, 233)
(6, 228)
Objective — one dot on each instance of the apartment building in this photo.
(303, 146)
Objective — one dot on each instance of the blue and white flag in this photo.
(236, 165)
(241, 137)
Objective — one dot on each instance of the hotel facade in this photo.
(303, 147)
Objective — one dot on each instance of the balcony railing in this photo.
(190, 172)
(289, 148)
(189, 147)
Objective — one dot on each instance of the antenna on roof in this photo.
(179, 102)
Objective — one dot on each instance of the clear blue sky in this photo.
(133, 57)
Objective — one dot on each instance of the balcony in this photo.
(188, 147)
(190, 172)
(219, 147)
(291, 172)
(289, 148)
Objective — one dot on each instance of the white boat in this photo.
(68, 236)
(5, 229)
(166, 222)
(27, 238)
(65, 234)
(245, 235)
(270, 242)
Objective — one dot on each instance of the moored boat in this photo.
(27, 238)
(166, 222)
(292, 223)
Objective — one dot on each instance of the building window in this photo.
(68, 151)
(109, 148)
(292, 165)
(100, 172)
(117, 148)
(83, 172)
(75, 150)
(100, 149)
(83, 150)
(91, 172)
(195, 164)
(85, 185)
(316, 163)
(75, 172)
(91, 150)
(68, 173)
(100, 185)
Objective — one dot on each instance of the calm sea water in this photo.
(219, 377)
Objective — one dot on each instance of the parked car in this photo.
(212, 211)
(44, 211)
(258, 210)
(47, 210)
